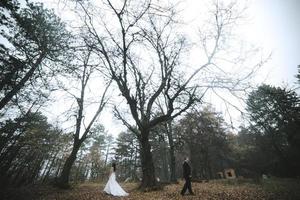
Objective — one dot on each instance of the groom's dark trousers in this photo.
(187, 176)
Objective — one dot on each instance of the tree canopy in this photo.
(35, 41)
(274, 114)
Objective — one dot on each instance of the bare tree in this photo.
(82, 73)
(142, 52)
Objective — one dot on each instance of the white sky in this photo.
(273, 25)
(276, 27)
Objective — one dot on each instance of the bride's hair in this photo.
(114, 166)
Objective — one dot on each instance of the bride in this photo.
(112, 186)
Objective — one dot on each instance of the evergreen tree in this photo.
(274, 113)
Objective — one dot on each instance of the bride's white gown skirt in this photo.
(112, 187)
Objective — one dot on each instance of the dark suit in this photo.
(187, 176)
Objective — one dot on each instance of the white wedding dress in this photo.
(112, 187)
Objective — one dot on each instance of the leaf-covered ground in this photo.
(283, 189)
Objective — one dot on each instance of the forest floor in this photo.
(279, 189)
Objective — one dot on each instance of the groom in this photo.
(187, 176)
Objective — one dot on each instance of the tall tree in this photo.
(82, 73)
(23, 156)
(204, 133)
(160, 153)
(167, 128)
(274, 113)
(126, 154)
(250, 154)
(96, 154)
(33, 38)
(143, 55)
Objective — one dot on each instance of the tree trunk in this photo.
(208, 167)
(6, 163)
(134, 175)
(48, 161)
(9, 76)
(194, 159)
(60, 162)
(172, 153)
(78, 172)
(21, 84)
(10, 129)
(35, 171)
(45, 177)
(148, 177)
(106, 156)
(63, 181)
(165, 176)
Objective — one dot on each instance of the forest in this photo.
(131, 59)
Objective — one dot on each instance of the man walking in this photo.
(187, 176)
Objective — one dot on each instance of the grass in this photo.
(282, 188)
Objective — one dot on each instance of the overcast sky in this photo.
(276, 26)
(273, 25)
